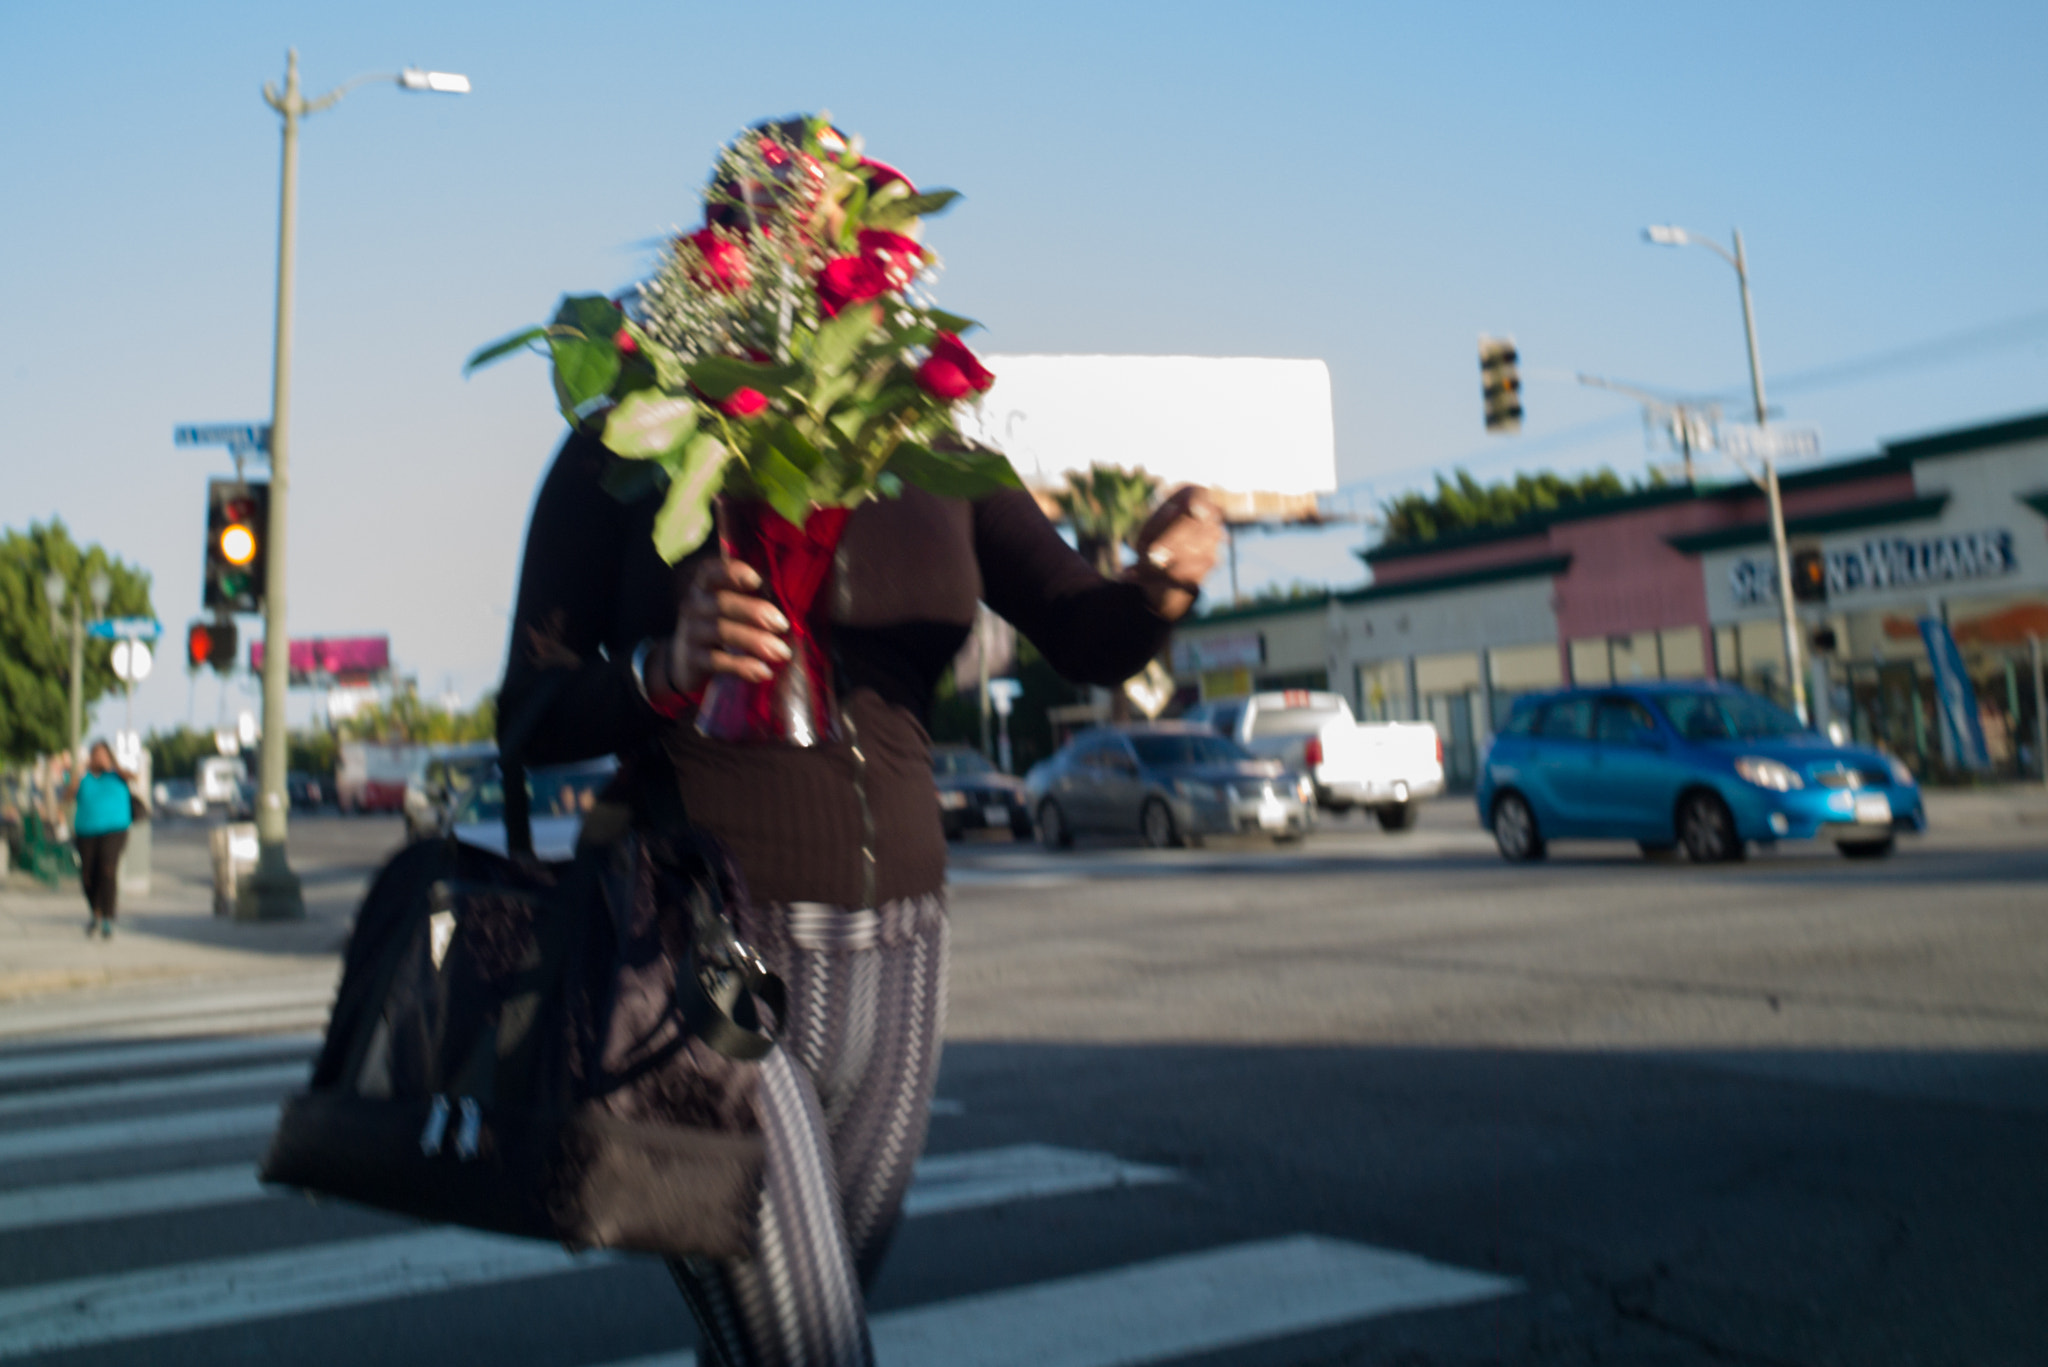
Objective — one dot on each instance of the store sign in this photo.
(1889, 563)
(1203, 653)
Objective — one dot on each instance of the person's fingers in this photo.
(745, 607)
(735, 637)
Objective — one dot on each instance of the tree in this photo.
(1105, 506)
(405, 719)
(35, 659)
(1462, 504)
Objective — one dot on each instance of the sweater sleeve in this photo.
(569, 692)
(1093, 630)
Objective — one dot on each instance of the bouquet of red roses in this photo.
(786, 351)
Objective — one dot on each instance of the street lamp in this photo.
(272, 892)
(99, 587)
(1665, 235)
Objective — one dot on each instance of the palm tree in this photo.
(1105, 506)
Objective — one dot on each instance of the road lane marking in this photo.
(944, 1183)
(275, 1077)
(38, 1067)
(67, 1141)
(1171, 1308)
(107, 1309)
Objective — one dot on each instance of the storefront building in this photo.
(1678, 583)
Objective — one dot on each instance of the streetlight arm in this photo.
(409, 79)
(1665, 236)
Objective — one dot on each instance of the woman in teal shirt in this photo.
(101, 827)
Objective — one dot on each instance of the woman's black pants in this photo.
(99, 869)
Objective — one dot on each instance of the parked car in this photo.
(976, 796)
(218, 778)
(305, 791)
(179, 797)
(437, 785)
(558, 799)
(1707, 767)
(1173, 783)
(1387, 767)
(372, 777)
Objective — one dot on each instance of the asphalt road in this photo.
(1377, 1099)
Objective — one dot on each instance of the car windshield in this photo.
(1727, 716)
(560, 793)
(1172, 751)
(954, 763)
(1292, 721)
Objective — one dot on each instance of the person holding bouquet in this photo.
(783, 376)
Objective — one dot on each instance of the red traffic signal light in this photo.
(210, 643)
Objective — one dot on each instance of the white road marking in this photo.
(114, 1198)
(944, 1184)
(66, 1141)
(275, 1076)
(183, 1009)
(987, 1177)
(1172, 1308)
(37, 1067)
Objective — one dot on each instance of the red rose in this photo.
(899, 257)
(849, 280)
(743, 403)
(950, 349)
(942, 380)
(724, 267)
(623, 340)
(880, 173)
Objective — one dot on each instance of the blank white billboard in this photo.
(1245, 424)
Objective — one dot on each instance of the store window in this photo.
(1521, 670)
(1684, 652)
(1382, 692)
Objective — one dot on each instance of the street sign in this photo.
(131, 661)
(1746, 439)
(126, 629)
(239, 437)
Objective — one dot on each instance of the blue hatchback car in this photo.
(1707, 767)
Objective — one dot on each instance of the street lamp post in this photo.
(54, 589)
(272, 892)
(1667, 236)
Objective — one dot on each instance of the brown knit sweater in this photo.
(908, 575)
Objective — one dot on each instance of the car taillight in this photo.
(1312, 753)
(1439, 751)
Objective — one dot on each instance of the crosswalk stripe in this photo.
(112, 1198)
(186, 1010)
(277, 1076)
(944, 1183)
(1170, 1308)
(229, 1290)
(44, 1067)
(203, 1295)
(149, 1132)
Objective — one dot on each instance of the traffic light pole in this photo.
(273, 893)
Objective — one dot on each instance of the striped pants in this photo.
(844, 1103)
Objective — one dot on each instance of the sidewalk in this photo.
(169, 934)
(2008, 805)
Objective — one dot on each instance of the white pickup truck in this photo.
(1386, 766)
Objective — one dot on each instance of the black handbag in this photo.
(567, 1051)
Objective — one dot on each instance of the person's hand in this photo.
(724, 626)
(1177, 548)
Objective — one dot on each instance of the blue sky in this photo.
(1374, 185)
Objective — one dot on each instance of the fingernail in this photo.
(776, 621)
(779, 649)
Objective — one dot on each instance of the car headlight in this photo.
(1768, 773)
(1199, 792)
(950, 801)
(1901, 775)
(1305, 790)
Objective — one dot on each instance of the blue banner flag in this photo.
(1961, 730)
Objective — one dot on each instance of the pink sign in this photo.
(343, 659)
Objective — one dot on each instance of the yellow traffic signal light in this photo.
(238, 544)
(237, 530)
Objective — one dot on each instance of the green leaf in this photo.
(584, 369)
(629, 481)
(796, 448)
(954, 474)
(931, 202)
(649, 423)
(685, 517)
(719, 376)
(839, 340)
(593, 315)
(787, 489)
(518, 341)
(951, 322)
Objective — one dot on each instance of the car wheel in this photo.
(1707, 830)
(1397, 816)
(1657, 850)
(1868, 849)
(1156, 824)
(1052, 827)
(1515, 830)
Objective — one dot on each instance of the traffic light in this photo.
(237, 537)
(1499, 384)
(210, 644)
(1809, 577)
